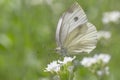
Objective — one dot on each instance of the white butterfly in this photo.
(74, 33)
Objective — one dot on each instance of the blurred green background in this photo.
(27, 35)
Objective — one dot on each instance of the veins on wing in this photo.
(69, 22)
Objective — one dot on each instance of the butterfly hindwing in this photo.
(84, 42)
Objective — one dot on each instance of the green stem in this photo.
(103, 77)
(71, 76)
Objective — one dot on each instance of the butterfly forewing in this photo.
(58, 32)
(71, 19)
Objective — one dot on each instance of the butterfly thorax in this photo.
(61, 51)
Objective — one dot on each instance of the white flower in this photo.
(37, 2)
(50, 2)
(113, 16)
(99, 72)
(103, 34)
(5, 41)
(53, 67)
(66, 60)
(105, 58)
(105, 71)
(88, 61)
(56, 65)
(94, 65)
(43, 79)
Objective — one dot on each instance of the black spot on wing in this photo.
(75, 19)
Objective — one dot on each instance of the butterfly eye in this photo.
(75, 19)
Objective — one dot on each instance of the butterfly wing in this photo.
(82, 39)
(74, 32)
(70, 20)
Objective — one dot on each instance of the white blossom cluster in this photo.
(53, 67)
(100, 61)
(105, 70)
(89, 61)
(103, 34)
(56, 65)
(113, 16)
(37, 2)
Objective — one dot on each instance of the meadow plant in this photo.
(65, 69)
